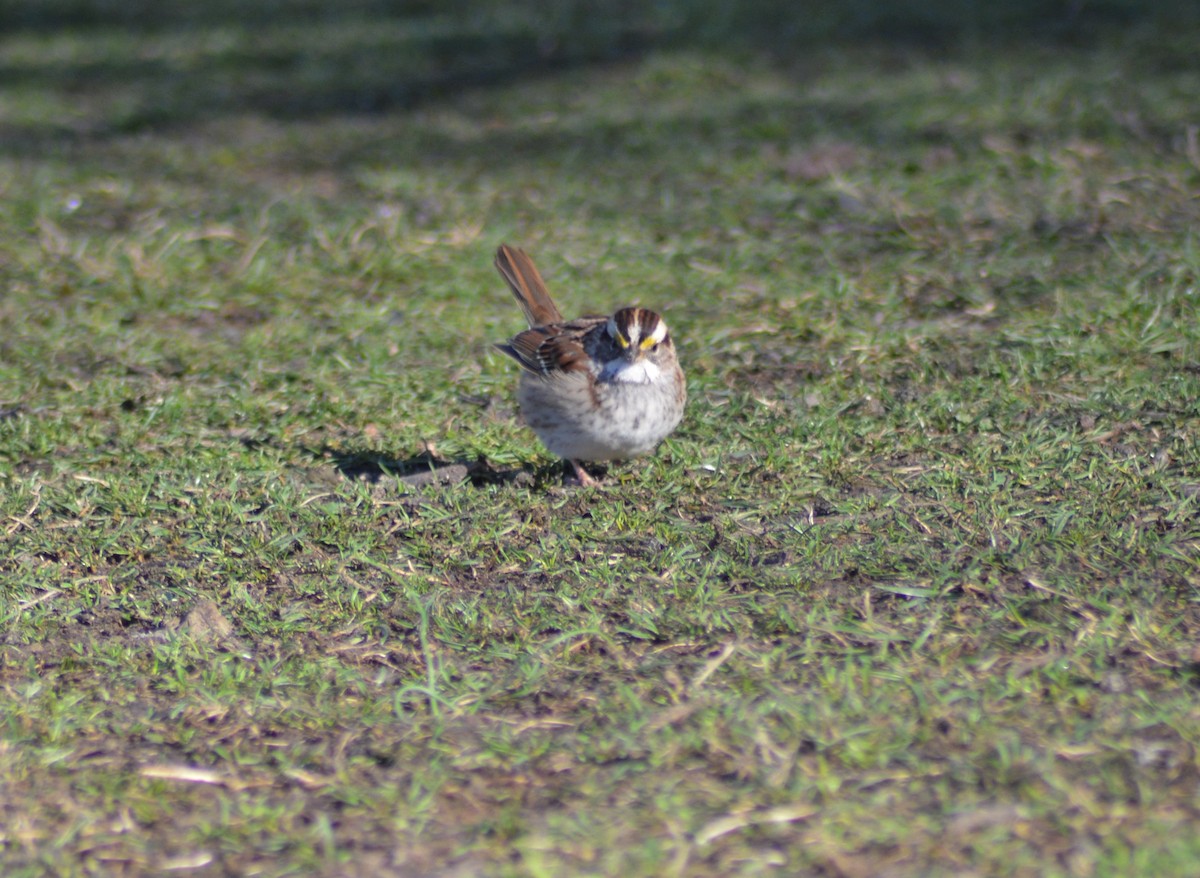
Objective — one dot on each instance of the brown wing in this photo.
(527, 285)
(554, 348)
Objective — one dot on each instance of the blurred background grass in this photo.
(147, 64)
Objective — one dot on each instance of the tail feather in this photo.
(527, 285)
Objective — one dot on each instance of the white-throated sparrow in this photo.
(593, 388)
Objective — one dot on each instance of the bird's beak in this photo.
(633, 353)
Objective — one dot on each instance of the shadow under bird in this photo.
(596, 387)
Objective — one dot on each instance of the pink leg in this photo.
(581, 476)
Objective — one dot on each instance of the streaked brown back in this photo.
(547, 350)
(527, 285)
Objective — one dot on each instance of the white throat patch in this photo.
(641, 372)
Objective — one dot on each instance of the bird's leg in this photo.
(581, 475)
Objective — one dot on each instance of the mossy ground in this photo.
(912, 591)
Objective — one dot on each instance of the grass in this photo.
(912, 591)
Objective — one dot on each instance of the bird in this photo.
(593, 388)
